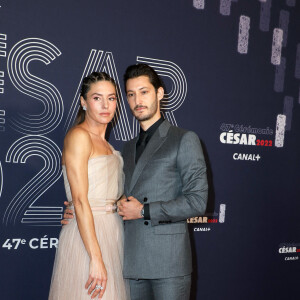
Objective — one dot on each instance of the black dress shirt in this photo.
(144, 138)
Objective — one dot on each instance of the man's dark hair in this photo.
(137, 70)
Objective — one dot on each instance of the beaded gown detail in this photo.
(71, 266)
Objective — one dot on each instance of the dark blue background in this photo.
(237, 259)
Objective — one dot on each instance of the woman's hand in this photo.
(68, 214)
(96, 283)
(123, 197)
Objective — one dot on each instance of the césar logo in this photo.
(237, 138)
(288, 250)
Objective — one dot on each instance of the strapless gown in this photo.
(71, 266)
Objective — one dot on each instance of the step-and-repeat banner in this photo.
(232, 75)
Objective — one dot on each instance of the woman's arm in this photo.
(77, 150)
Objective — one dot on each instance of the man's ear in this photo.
(160, 93)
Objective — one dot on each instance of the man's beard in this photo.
(151, 112)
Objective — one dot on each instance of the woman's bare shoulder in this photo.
(77, 133)
(78, 140)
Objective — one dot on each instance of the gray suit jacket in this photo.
(170, 175)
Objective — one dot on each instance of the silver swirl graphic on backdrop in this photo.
(174, 99)
(21, 207)
(19, 59)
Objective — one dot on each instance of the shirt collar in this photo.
(151, 130)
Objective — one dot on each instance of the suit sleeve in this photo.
(192, 200)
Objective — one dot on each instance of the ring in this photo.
(99, 287)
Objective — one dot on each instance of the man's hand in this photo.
(68, 214)
(130, 208)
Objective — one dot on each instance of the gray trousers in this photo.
(175, 288)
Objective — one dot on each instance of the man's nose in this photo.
(138, 99)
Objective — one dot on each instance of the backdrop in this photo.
(232, 75)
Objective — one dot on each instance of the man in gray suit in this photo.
(165, 183)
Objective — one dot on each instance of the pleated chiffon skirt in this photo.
(71, 266)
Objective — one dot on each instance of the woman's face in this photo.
(101, 102)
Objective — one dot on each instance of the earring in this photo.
(84, 108)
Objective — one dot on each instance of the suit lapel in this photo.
(130, 160)
(154, 144)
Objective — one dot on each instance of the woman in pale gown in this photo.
(89, 258)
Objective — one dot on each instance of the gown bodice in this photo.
(105, 178)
